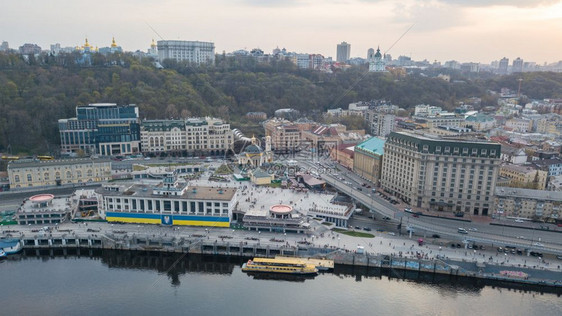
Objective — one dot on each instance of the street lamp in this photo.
(338, 242)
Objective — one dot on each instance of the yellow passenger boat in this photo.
(279, 265)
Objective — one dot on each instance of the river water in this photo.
(134, 283)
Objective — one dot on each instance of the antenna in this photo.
(153, 30)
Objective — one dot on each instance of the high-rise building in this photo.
(381, 123)
(194, 135)
(101, 128)
(28, 49)
(4, 46)
(343, 52)
(191, 51)
(502, 67)
(517, 65)
(370, 53)
(441, 174)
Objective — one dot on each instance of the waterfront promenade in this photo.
(122, 236)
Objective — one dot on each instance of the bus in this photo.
(45, 157)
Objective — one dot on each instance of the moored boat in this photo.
(10, 246)
(279, 265)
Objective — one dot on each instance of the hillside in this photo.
(34, 94)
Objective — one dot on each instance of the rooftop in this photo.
(29, 163)
(519, 168)
(192, 193)
(528, 194)
(48, 204)
(374, 145)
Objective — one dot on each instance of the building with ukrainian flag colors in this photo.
(170, 202)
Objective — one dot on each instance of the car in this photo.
(462, 231)
(519, 221)
(559, 257)
(538, 244)
(386, 218)
(357, 227)
(407, 209)
(367, 229)
(436, 236)
(392, 234)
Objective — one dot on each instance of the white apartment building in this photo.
(209, 135)
(191, 51)
(381, 124)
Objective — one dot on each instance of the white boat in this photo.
(10, 246)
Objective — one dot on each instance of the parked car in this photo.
(436, 236)
(367, 229)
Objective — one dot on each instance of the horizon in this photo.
(461, 30)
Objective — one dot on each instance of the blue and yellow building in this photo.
(170, 202)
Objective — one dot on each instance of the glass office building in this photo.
(106, 129)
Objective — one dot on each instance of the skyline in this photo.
(462, 30)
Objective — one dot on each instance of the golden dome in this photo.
(113, 44)
(153, 44)
(86, 44)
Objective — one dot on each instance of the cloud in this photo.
(274, 3)
(429, 17)
(510, 3)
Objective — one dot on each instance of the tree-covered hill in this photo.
(36, 92)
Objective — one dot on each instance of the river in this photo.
(134, 283)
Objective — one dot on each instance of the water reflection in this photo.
(174, 265)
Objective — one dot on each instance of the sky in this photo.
(463, 30)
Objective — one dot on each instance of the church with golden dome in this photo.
(254, 156)
(113, 48)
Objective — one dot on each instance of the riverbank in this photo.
(242, 244)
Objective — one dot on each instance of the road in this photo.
(426, 226)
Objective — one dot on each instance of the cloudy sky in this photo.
(464, 30)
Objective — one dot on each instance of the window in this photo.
(17, 178)
(29, 178)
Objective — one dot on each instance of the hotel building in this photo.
(441, 174)
(209, 135)
(101, 128)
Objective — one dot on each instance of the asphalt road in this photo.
(478, 232)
